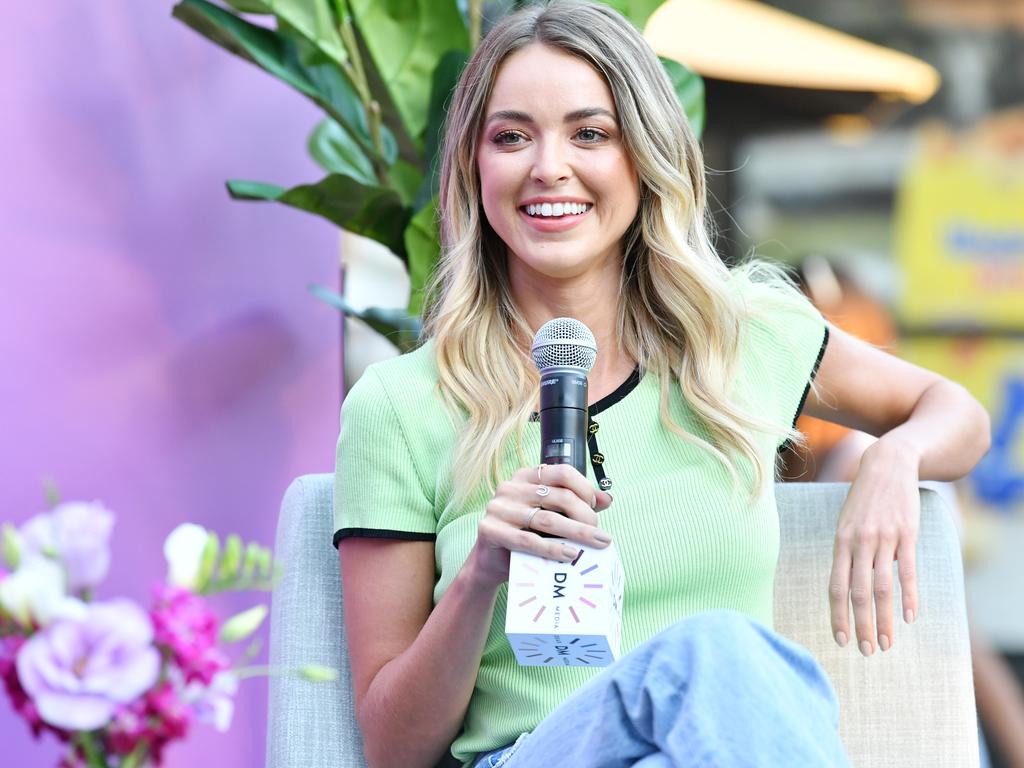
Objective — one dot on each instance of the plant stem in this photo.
(356, 72)
(475, 19)
(136, 756)
(257, 670)
(92, 753)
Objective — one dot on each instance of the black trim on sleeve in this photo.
(807, 390)
(380, 533)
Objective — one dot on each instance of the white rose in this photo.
(36, 592)
(184, 552)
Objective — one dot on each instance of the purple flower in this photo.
(76, 533)
(78, 670)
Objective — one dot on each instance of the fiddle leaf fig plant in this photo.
(382, 71)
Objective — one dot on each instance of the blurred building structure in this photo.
(924, 206)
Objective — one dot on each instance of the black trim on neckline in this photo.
(611, 398)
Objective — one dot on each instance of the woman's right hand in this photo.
(552, 498)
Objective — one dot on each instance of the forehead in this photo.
(543, 80)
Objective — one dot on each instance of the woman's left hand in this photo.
(878, 524)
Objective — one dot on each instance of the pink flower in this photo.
(79, 669)
(158, 718)
(188, 629)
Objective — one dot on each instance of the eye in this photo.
(508, 138)
(591, 135)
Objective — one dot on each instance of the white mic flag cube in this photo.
(565, 614)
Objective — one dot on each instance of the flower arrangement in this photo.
(118, 683)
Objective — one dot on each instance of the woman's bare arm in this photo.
(413, 668)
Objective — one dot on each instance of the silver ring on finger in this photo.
(529, 518)
(543, 490)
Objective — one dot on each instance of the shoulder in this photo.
(406, 383)
(400, 398)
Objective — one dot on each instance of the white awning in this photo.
(749, 42)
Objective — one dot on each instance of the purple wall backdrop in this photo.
(159, 350)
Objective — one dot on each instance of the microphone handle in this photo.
(563, 417)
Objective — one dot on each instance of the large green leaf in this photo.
(372, 211)
(250, 6)
(315, 20)
(396, 325)
(637, 11)
(405, 39)
(446, 75)
(689, 89)
(281, 56)
(334, 150)
(422, 244)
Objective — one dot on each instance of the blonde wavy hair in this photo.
(678, 316)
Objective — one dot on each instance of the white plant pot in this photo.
(374, 277)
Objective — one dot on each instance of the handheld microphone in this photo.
(565, 614)
(564, 351)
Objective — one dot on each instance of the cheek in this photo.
(492, 183)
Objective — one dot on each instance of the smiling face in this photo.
(556, 182)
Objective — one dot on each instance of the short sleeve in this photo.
(783, 341)
(377, 491)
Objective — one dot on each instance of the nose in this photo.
(551, 163)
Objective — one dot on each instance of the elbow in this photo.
(984, 430)
(979, 429)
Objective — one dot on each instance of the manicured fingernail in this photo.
(841, 639)
(908, 615)
(883, 642)
(603, 537)
(865, 647)
(569, 551)
(593, 503)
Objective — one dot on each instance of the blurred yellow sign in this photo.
(960, 239)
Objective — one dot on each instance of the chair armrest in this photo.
(310, 725)
(912, 706)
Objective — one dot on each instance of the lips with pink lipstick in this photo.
(554, 214)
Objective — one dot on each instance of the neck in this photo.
(593, 299)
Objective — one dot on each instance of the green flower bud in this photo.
(243, 624)
(208, 562)
(11, 547)
(252, 554)
(231, 562)
(265, 563)
(317, 673)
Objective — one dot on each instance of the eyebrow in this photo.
(570, 117)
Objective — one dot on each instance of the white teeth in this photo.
(556, 209)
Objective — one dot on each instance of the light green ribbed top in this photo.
(688, 541)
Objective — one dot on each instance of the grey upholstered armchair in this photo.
(912, 707)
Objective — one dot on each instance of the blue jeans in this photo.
(716, 689)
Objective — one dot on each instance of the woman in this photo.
(573, 186)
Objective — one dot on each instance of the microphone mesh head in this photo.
(564, 341)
